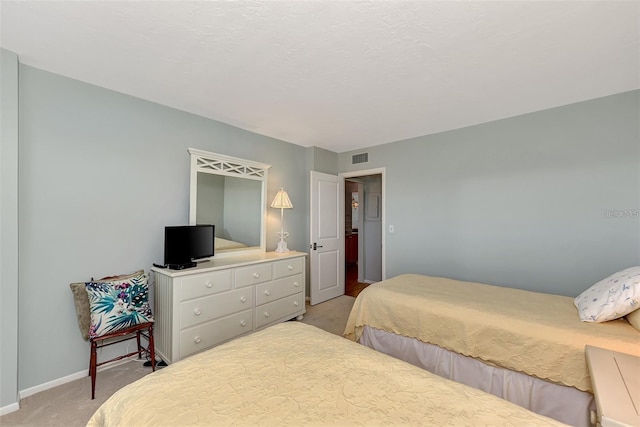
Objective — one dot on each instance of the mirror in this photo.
(231, 194)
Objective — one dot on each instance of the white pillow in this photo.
(610, 298)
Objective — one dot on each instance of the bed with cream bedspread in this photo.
(535, 333)
(296, 374)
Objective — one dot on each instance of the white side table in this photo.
(616, 384)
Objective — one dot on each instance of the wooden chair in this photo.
(81, 301)
(145, 329)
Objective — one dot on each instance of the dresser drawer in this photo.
(209, 334)
(253, 274)
(200, 285)
(211, 307)
(271, 291)
(288, 267)
(278, 309)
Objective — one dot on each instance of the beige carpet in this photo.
(71, 405)
(330, 315)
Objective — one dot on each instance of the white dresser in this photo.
(224, 298)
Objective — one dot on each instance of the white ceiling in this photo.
(340, 75)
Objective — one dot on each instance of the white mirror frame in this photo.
(218, 164)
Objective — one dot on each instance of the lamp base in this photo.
(282, 247)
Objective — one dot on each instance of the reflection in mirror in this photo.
(229, 193)
(233, 205)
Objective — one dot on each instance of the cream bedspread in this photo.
(296, 374)
(535, 333)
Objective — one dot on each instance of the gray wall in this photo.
(101, 174)
(523, 202)
(321, 160)
(9, 229)
(371, 230)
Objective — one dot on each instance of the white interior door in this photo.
(327, 237)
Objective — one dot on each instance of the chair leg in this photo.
(93, 360)
(152, 349)
(139, 346)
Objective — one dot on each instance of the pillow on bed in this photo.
(610, 298)
(118, 304)
(634, 319)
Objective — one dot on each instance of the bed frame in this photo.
(565, 404)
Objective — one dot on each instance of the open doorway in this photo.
(364, 226)
(353, 207)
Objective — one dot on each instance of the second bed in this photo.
(523, 346)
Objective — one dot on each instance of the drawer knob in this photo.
(296, 284)
(243, 299)
(197, 312)
(267, 292)
(296, 303)
(267, 314)
(209, 284)
(197, 340)
(243, 323)
(290, 267)
(256, 275)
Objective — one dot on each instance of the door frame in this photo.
(376, 171)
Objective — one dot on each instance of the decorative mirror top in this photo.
(226, 165)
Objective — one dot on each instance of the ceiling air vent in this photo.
(360, 158)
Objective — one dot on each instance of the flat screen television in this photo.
(185, 244)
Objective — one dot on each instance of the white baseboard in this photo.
(51, 384)
(9, 408)
(78, 375)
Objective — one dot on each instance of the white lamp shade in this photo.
(282, 200)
